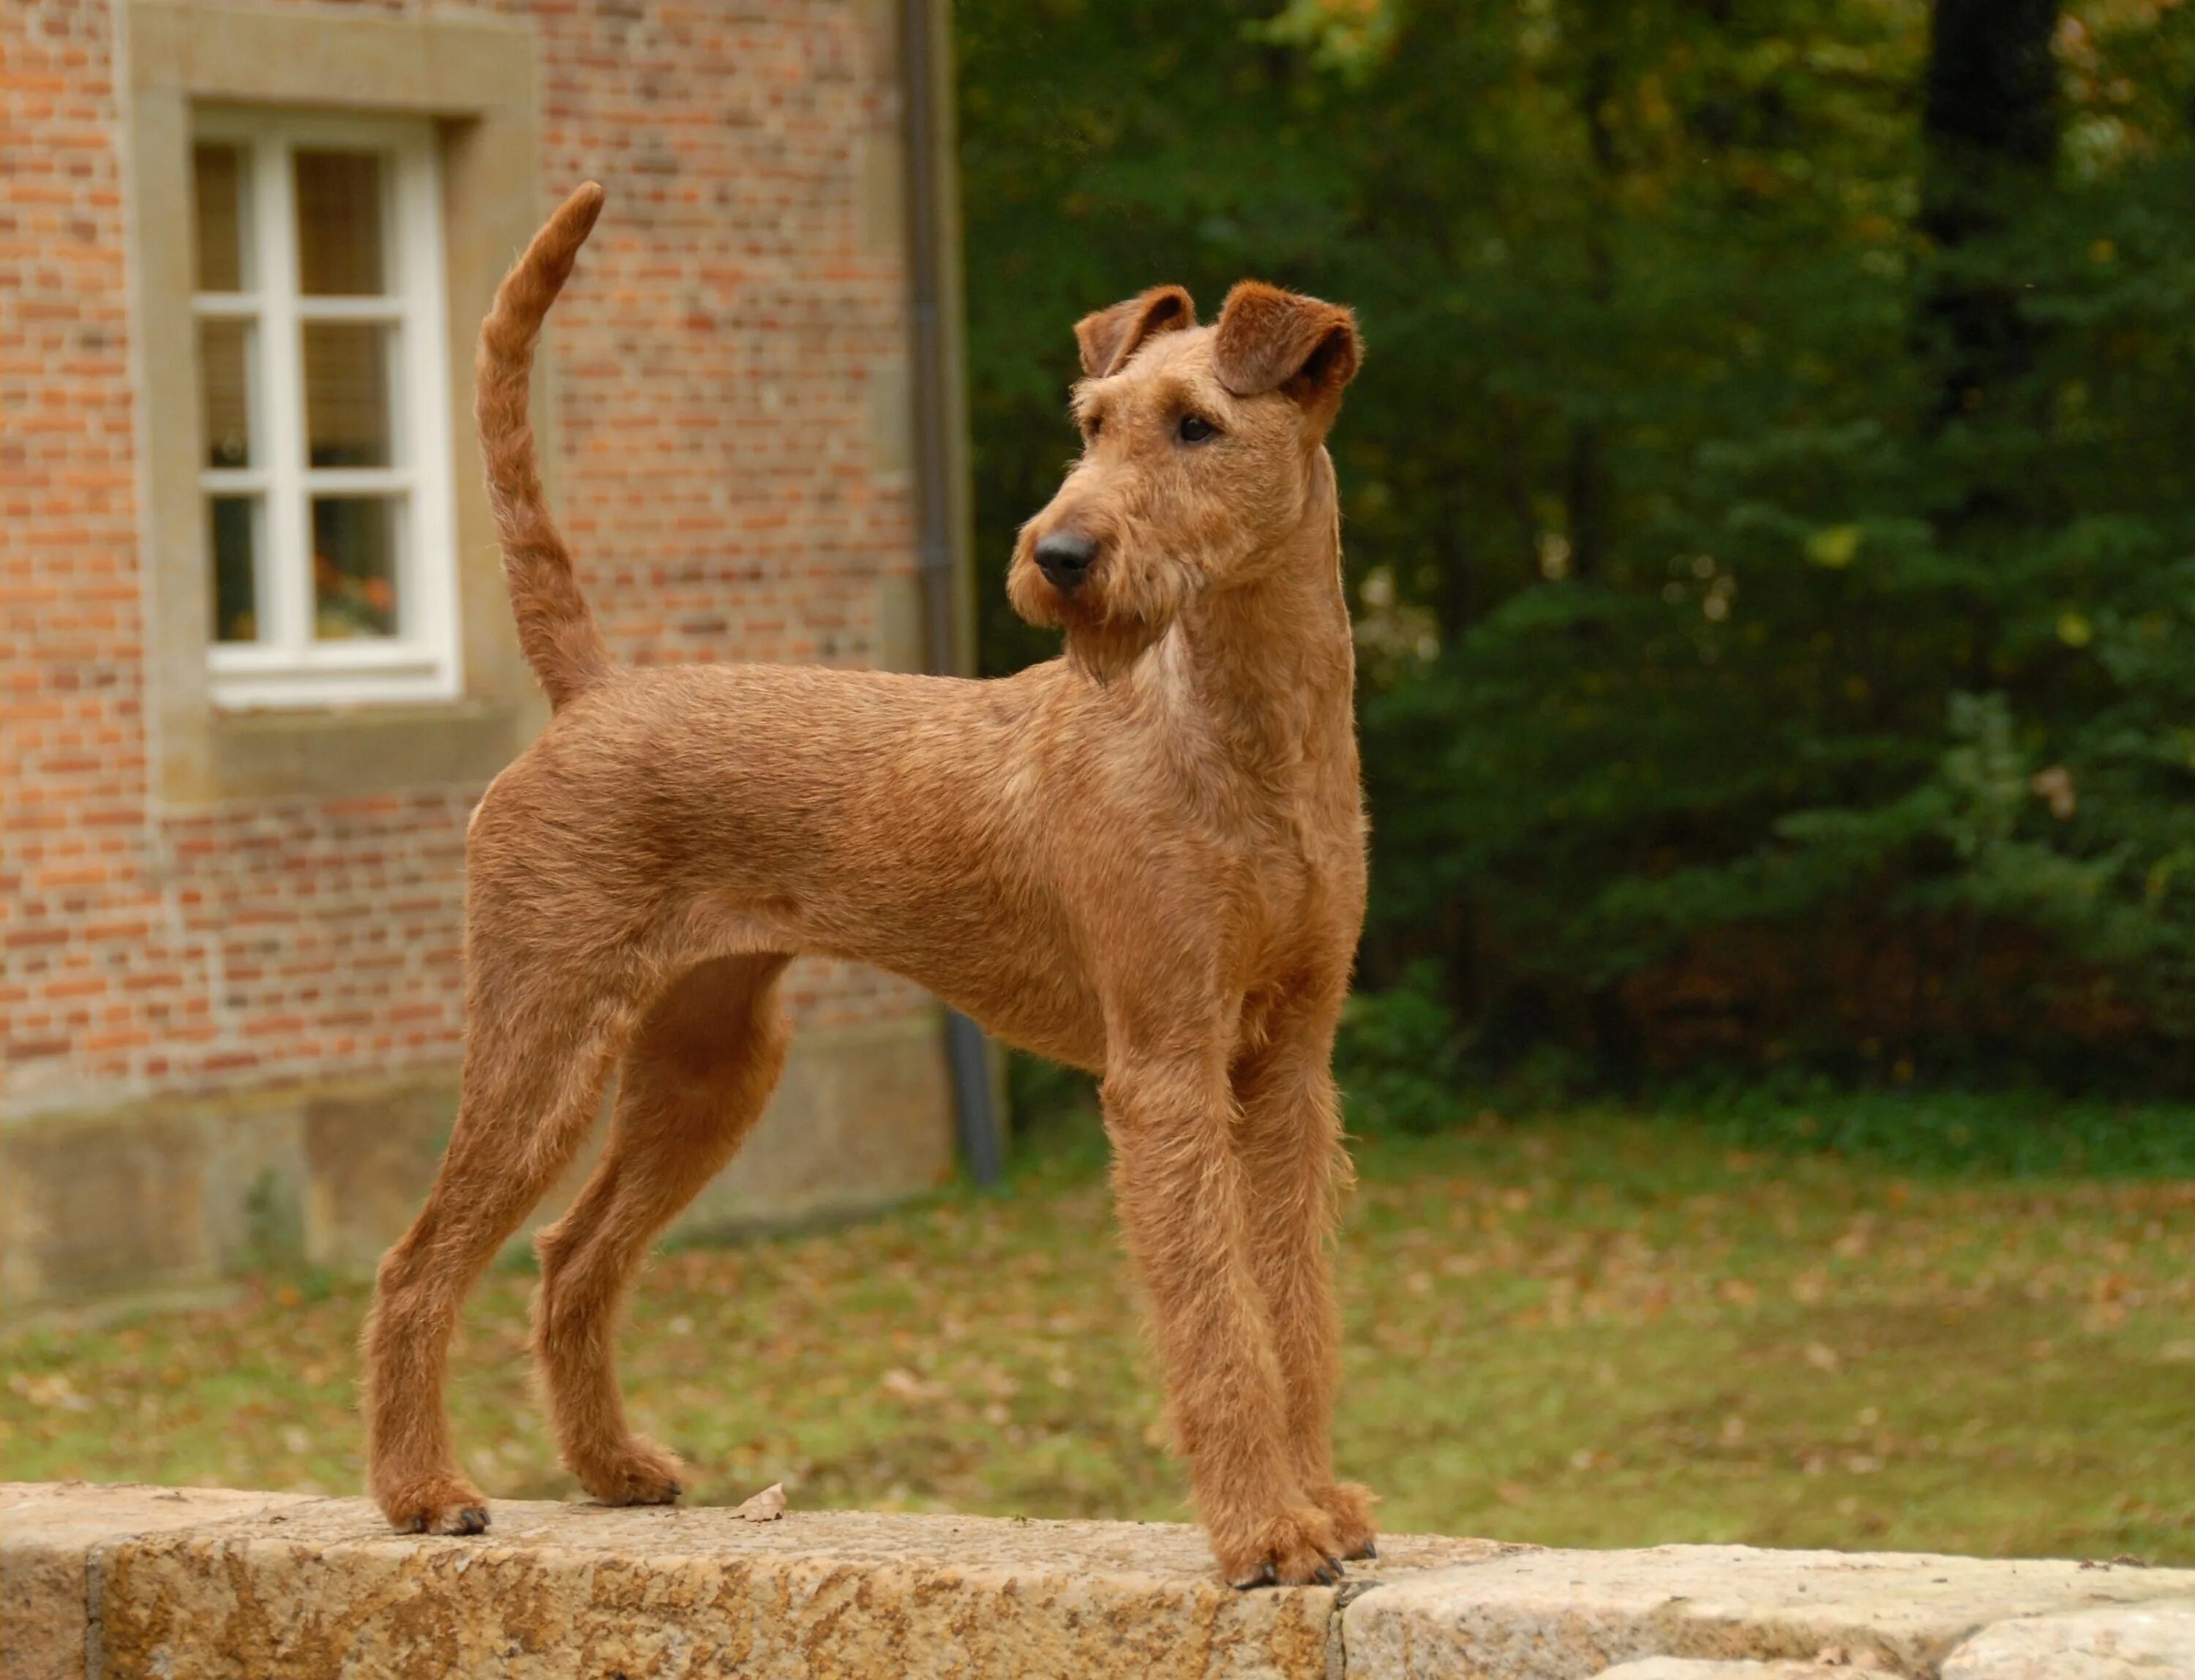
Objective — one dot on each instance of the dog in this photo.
(1145, 858)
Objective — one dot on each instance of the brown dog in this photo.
(1145, 859)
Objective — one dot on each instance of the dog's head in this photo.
(1198, 457)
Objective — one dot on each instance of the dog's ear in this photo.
(1111, 336)
(1269, 339)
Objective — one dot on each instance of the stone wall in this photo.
(174, 1194)
(255, 909)
(99, 1582)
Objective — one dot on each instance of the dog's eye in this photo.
(1194, 429)
(1092, 426)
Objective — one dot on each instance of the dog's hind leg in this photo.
(692, 1085)
(533, 1078)
(1290, 1145)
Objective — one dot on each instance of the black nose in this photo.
(1064, 558)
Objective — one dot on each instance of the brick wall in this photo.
(76, 869)
(722, 363)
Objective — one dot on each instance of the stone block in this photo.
(369, 1158)
(90, 1205)
(1569, 1615)
(51, 1537)
(170, 1193)
(1707, 1668)
(569, 1592)
(2121, 1642)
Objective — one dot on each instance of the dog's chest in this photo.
(1302, 883)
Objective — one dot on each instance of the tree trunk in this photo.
(1990, 137)
(1585, 489)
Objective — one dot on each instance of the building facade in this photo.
(258, 664)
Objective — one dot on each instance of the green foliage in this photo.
(1406, 1071)
(1951, 1132)
(1727, 697)
(1398, 1057)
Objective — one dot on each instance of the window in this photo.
(324, 390)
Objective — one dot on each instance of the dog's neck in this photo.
(1271, 661)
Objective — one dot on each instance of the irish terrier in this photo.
(1145, 859)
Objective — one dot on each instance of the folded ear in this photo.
(1111, 336)
(1269, 339)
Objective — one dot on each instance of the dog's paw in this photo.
(637, 1472)
(1295, 1549)
(437, 1505)
(1348, 1506)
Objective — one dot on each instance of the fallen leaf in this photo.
(767, 1506)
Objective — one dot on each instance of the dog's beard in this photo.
(1109, 631)
(1103, 649)
(1112, 624)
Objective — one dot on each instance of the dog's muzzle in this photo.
(1065, 558)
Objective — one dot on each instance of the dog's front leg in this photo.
(1183, 1205)
(1296, 1166)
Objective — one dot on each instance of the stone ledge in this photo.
(2155, 1640)
(1565, 1615)
(101, 1582)
(1709, 1668)
(307, 1587)
(50, 1533)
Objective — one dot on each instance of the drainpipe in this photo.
(944, 527)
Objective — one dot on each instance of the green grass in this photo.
(1595, 1330)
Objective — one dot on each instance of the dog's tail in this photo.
(559, 635)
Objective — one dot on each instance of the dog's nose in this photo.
(1064, 558)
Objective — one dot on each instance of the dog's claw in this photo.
(1267, 1576)
(1370, 1550)
(472, 1520)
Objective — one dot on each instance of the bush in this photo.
(1398, 1058)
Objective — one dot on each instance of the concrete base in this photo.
(178, 1193)
(101, 1582)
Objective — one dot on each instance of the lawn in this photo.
(1600, 1329)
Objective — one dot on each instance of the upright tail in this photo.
(559, 635)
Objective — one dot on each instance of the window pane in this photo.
(221, 201)
(339, 242)
(225, 379)
(235, 544)
(354, 567)
(347, 393)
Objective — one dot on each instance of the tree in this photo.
(1734, 686)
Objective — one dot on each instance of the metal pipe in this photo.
(940, 478)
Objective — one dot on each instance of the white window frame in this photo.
(289, 665)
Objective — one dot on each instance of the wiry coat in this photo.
(1145, 858)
